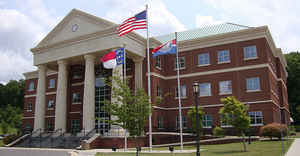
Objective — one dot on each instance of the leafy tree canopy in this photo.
(293, 84)
(131, 109)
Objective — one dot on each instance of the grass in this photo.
(1, 143)
(258, 148)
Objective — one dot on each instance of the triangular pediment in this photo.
(75, 24)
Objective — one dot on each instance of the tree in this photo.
(10, 119)
(131, 108)
(235, 114)
(192, 116)
(293, 83)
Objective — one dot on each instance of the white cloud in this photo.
(202, 21)
(13, 65)
(161, 20)
(18, 34)
(281, 17)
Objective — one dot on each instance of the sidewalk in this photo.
(294, 149)
(94, 151)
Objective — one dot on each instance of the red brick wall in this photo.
(108, 143)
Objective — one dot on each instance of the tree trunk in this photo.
(244, 142)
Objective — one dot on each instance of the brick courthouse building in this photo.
(227, 60)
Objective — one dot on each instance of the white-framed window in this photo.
(207, 121)
(181, 62)
(29, 107)
(256, 118)
(225, 87)
(158, 62)
(253, 84)
(203, 59)
(159, 92)
(223, 56)
(226, 123)
(184, 122)
(76, 97)
(182, 91)
(205, 89)
(160, 122)
(51, 83)
(50, 104)
(250, 52)
(31, 86)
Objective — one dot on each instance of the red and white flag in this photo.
(139, 21)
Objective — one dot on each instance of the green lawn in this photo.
(1, 143)
(259, 148)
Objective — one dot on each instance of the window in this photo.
(76, 98)
(225, 87)
(203, 59)
(253, 84)
(31, 86)
(225, 123)
(205, 89)
(181, 63)
(157, 62)
(184, 122)
(182, 91)
(29, 107)
(223, 56)
(50, 104)
(256, 118)
(77, 73)
(159, 92)
(75, 126)
(160, 122)
(207, 121)
(51, 83)
(250, 52)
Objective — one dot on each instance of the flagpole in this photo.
(179, 95)
(149, 83)
(124, 77)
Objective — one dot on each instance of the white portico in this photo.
(83, 39)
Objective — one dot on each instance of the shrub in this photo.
(292, 132)
(218, 131)
(297, 127)
(10, 138)
(273, 130)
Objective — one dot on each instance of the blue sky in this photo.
(25, 22)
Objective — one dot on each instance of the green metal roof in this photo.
(202, 32)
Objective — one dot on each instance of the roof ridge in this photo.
(239, 25)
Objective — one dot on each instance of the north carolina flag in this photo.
(113, 58)
(167, 48)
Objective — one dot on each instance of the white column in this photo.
(39, 116)
(89, 94)
(61, 96)
(138, 73)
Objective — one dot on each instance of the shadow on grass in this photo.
(227, 152)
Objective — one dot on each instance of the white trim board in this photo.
(211, 72)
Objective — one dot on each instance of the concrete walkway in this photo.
(19, 151)
(294, 149)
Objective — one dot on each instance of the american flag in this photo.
(139, 21)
